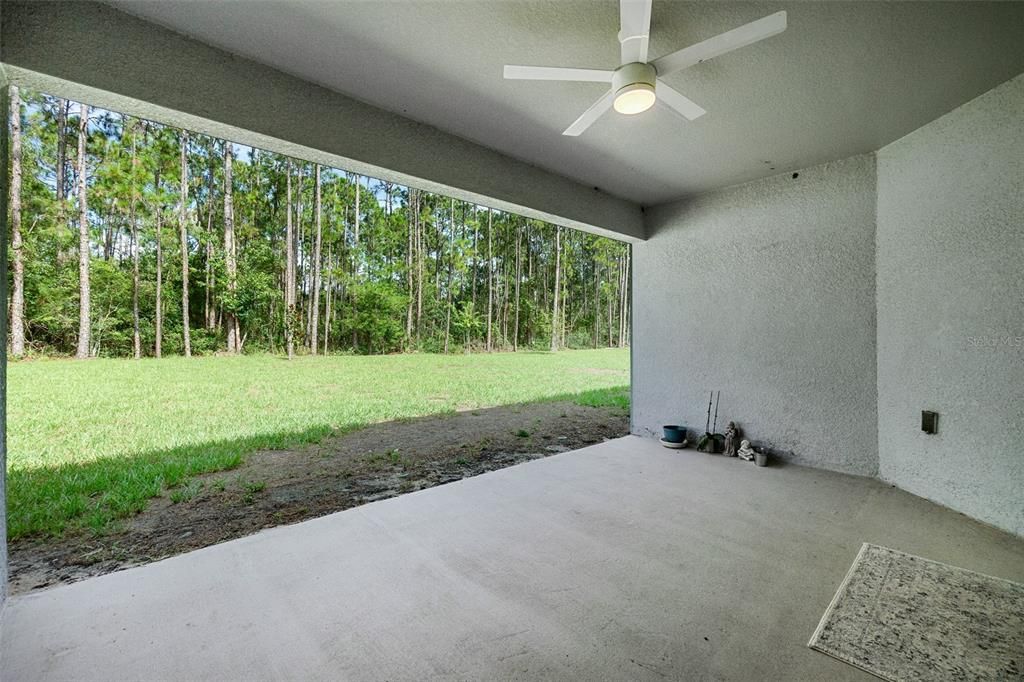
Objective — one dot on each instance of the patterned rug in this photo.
(902, 617)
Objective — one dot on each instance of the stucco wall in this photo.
(765, 291)
(4, 193)
(951, 308)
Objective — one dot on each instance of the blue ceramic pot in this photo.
(674, 433)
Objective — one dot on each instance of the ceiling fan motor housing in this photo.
(633, 88)
(636, 73)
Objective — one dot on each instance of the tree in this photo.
(558, 287)
(410, 250)
(84, 321)
(209, 304)
(420, 265)
(490, 279)
(451, 268)
(158, 229)
(60, 180)
(133, 219)
(376, 267)
(234, 340)
(519, 277)
(289, 273)
(183, 235)
(17, 247)
(327, 296)
(624, 298)
(315, 308)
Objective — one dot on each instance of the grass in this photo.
(90, 442)
(185, 492)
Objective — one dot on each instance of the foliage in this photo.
(375, 315)
(399, 268)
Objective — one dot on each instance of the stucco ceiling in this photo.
(845, 78)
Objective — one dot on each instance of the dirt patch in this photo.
(286, 486)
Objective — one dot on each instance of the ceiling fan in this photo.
(636, 85)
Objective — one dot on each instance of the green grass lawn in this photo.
(90, 442)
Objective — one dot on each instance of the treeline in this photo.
(131, 238)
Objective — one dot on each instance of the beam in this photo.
(89, 52)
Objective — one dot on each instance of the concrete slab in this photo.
(619, 561)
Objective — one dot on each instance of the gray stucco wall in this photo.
(951, 308)
(765, 291)
(4, 182)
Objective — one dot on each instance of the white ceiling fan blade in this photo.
(635, 29)
(678, 102)
(747, 34)
(588, 117)
(556, 73)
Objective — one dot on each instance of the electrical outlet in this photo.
(929, 422)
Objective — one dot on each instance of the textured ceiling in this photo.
(844, 78)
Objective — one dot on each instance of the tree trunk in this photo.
(566, 300)
(327, 296)
(299, 267)
(358, 186)
(505, 304)
(558, 278)
(230, 252)
(476, 259)
(289, 271)
(624, 307)
(419, 269)
(83, 238)
(314, 321)
(183, 235)
(519, 276)
(490, 280)
(158, 344)
(409, 248)
(610, 306)
(622, 304)
(597, 302)
(209, 314)
(209, 318)
(107, 231)
(451, 258)
(133, 218)
(17, 251)
(62, 154)
(356, 262)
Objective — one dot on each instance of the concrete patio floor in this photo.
(619, 561)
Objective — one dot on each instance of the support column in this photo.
(4, 194)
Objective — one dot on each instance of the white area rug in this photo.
(902, 617)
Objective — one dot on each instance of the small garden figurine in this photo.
(732, 436)
(746, 452)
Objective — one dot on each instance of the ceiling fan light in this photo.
(634, 98)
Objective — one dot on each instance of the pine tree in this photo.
(17, 245)
(183, 237)
(84, 320)
(234, 340)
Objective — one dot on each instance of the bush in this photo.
(376, 318)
